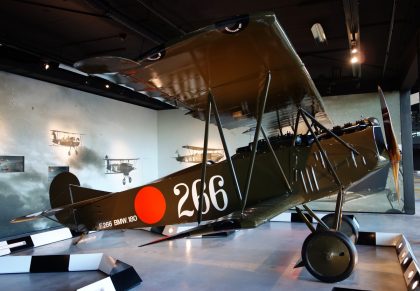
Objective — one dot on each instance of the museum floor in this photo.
(257, 259)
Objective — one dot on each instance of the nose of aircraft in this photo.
(391, 141)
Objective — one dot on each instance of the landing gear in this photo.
(123, 181)
(348, 226)
(330, 256)
(129, 179)
(327, 253)
(68, 152)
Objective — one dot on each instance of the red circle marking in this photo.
(150, 205)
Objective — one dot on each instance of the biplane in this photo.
(239, 72)
(120, 166)
(67, 139)
(195, 155)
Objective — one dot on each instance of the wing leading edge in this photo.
(230, 59)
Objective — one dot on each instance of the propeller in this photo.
(391, 141)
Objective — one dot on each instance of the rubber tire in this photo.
(348, 227)
(316, 244)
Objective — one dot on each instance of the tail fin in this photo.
(65, 190)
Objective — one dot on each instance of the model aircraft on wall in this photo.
(120, 166)
(241, 72)
(195, 155)
(67, 139)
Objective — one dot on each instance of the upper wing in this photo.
(230, 59)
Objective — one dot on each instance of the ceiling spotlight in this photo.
(46, 66)
(354, 60)
(318, 33)
(410, 275)
(107, 86)
(353, 47)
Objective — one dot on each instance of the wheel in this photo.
(330, 256)
(348, 226)
(129, 179)
(124, 181)
(76, 152)
(68, 153)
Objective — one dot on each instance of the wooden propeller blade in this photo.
(391, 141)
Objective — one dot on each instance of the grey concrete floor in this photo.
(256, 259)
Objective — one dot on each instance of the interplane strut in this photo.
(261, 108)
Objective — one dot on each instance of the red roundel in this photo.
(150, 205)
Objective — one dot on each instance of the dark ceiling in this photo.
(65, 31)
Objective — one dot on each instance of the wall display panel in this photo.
(58, 129)
(10, 164)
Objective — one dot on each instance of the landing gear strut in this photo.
(329, 252)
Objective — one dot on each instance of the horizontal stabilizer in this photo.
(210, 228)
(54, 211)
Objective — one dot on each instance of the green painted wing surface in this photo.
(230, 65)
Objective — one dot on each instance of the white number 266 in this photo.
(213, 193)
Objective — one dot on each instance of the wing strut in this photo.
(347, 145)
(276, 159)
(225, 148)
(204, 161)
(340, 195)
(261, 106)
(73, 210)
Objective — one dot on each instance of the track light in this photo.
(318, 33)
(354, 60)
(46, 66)
(107, 86)
(411, 274)
(353, 47)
